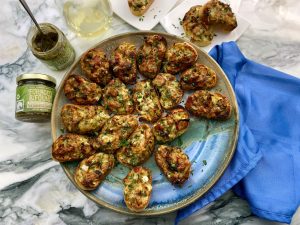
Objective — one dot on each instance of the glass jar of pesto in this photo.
(34, 97)
(52, 47)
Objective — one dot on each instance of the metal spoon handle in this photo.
(24, 4)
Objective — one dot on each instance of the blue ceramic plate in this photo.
(209, 144)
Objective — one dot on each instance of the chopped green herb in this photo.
(180, 21)
(141, 18)
(180, 142)
(175, 26)
(130, 186)
(124, 143)
(140, 59)
(120, 98)
(134, 160)
(192, 172)
(204, 162)
(62, 130)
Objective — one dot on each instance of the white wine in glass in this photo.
(88, 17)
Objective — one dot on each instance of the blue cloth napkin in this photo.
(265, 169)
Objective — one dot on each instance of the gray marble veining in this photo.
(35, 190)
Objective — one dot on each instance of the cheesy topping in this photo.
(211, 105)
(115, 132)
(71, 147)
(93, 170)
(169, 90)
(196, 28)
(220, 13)
(151, 55)
(83, 119)
(146, 101)
(198, 77)
(138, 4)
(171, 126)
(179, 57)
(139, 148)
(138, 188)
(174, 164)
(123, 62)
(117, 98)
(96, 66)
(81, 91)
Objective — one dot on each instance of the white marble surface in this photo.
(34, 189)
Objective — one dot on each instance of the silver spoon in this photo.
(24, 4)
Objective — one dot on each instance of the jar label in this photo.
(34, 98)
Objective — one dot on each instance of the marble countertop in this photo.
(34, 189)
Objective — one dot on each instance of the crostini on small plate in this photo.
(149, 19)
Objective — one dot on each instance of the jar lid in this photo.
(35, 76)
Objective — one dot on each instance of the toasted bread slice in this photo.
(174, 164)
(123, 63)
(91, 171)
(115, 133)
(196, 28)
(219, 13)
(146, 101)
(198, 76)
(138, 188)
(80, 91)
(169, 91)
(151, 54)
(172, 125)
(71, 147)
(138, 148)
(179, 57)
(210, 105)
(117, 97)
(95, 65)
(83, 119)
(139, 7)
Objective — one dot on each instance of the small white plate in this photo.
(150, 19)
(171, 22)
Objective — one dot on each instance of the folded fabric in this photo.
(266, 166)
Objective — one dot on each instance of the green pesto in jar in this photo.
(34, 97)
(52, 47)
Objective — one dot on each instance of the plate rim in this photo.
(197, 195)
